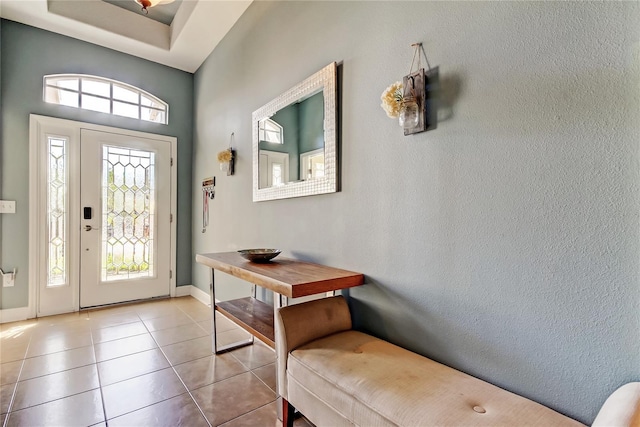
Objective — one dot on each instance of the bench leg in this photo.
(288, 413)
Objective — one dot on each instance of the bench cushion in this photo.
(373, 382)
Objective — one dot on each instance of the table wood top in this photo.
(286, 276)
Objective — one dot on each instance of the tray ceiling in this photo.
(195, 29)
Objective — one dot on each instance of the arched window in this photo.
(104, 95)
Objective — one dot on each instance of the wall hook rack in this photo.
(208, 193)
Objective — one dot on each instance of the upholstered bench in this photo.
(336, 376)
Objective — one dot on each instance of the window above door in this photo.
(104, 95)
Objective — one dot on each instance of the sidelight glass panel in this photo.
(57, 211)
(128, 213)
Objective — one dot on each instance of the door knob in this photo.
(89, 228)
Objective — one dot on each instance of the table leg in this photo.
(214, 336)
(214, 332)
(278, 302)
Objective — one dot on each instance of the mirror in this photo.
(294, 140)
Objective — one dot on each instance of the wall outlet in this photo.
(8, 280)
(7, 206)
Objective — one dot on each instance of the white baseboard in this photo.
(183, 291)
(14, 314)
(22, 313)
(200, 295)
(194, 291)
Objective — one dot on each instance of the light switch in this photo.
(7, 206)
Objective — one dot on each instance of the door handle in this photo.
(89, 228)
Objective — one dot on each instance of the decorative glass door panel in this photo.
(57, 202)
(128, 215)
(126, 231)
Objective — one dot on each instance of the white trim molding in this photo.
(14, 314)
(194, 291)
(201, 295)
(37, 124)
(183, 291)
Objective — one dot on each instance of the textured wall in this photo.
(506, 242)
(27, 55)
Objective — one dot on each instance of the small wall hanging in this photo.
(208, 193)
(412, 101)
(227, 158)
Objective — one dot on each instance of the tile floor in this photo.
(146, 364)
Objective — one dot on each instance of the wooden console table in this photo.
(287, 278)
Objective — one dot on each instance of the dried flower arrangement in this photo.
(225, 156)
(392, 101)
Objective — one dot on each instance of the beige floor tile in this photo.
(151, 311)
(62, 328)
(82, 409)
(254, 356)
(166, 322)
(62, 318)
(55, 386)
(117, 332)
(179, 334)
(9, 372)
(187, 301)
(267, 374)
(199, 313)
(136, 393)
(6, 392)
(206, 325)
(124, 368)
(220, 403)
(113, 319)
(59, 342)
(57, 362)
(12, 349)
(17, 329)
(205, 371)
(223, 324)
(266, 416)
(123, 347)
(112, 311)
(188, 350)
(103, 424)
(233, 336)
(177, 411)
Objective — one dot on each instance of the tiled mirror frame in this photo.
(325, 79)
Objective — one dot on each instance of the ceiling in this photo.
(164, 14)
(180, 34)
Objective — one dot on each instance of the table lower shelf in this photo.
(252, 315)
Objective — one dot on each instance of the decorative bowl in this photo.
(259, 255)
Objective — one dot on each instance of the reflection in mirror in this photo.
(292, 143)
(294, 140)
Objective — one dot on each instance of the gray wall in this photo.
(506, 242)
(27, 55)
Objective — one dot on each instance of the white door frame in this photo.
(38, 128)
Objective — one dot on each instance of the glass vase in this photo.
(409, 114)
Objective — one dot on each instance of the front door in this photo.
(100, 220)
(125, 218)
